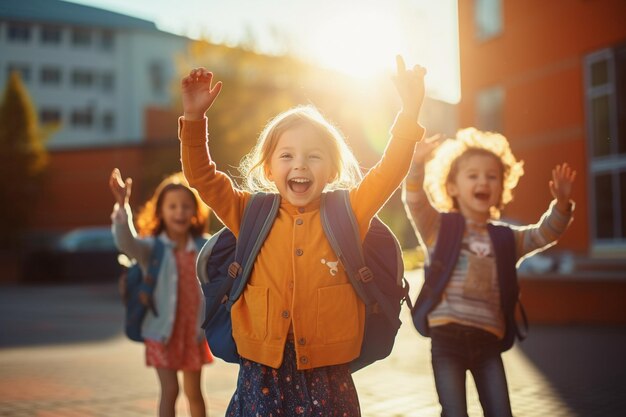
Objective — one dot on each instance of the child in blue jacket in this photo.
(173, 338)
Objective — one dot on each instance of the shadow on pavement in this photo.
(49, 315)
(584, 364)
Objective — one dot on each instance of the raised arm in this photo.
(410, 86)
(123, 229)
(563, 177)
(385, 177)
(422, 215)
(198, 93)
(534, 238)
(121, 189)
(215, 188)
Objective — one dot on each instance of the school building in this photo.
(551, 76)
(107, 79)
(104, 78)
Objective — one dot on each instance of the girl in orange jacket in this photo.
(298, 323)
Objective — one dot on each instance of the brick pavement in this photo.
(62, 354)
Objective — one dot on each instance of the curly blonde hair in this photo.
(149, 220)
(443, 167)
(253, 167)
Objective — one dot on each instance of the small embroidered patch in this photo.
(332, 266)
(481, 249)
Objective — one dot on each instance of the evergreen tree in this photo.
(23, 159)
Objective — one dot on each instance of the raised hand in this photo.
(424, 149)
(120, 189)
(198, 94)
(410, 86)
(563, 177)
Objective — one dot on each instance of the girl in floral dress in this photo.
(173, 338)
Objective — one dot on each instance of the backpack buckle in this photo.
(365, 274)
(234, 269)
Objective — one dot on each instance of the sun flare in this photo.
(359, 44)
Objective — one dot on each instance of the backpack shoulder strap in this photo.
(447, 248)
(257, 221)
(342, 231)
(156, 256)
(148, 283)
(437, 271)
(503, 240)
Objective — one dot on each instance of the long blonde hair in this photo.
(442, 168)
(253, 167)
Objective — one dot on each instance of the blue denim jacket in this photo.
(159, 327)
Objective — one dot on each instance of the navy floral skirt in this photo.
(268, 392)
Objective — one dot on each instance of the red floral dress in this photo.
(183, 351)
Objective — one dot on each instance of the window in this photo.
(620, 93)
(490, 109)
(50, 35)
(81, 37)
(600, 108)
(18, 32)
(605, 81)
(50, 116)
(107, 82)
(156, 73)
(108, 121)
(107, 41)
(604, 220)
(22, 69)
(50, 76)
(82, 118)
(488, 18)
(82, 78)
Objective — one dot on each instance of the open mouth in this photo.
(299, 185)
(482, 196)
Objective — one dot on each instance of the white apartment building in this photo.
(92, 70)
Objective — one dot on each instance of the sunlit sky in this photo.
(358, 37)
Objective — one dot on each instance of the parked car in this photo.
(83, 255)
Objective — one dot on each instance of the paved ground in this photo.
(62, 354)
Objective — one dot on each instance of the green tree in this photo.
(23, 159)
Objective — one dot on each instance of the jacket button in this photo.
(300, 209)
(299, 221)
(290, 285)
(304, 360)
(285, 314)
(299, 252)
(302, 341)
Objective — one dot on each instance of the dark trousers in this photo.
(457, 349)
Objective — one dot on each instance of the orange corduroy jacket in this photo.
(297, 282)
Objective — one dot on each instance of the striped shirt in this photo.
(472, 296)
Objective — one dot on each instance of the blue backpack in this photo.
(137, 290)
(374, 267)
(443, 261)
